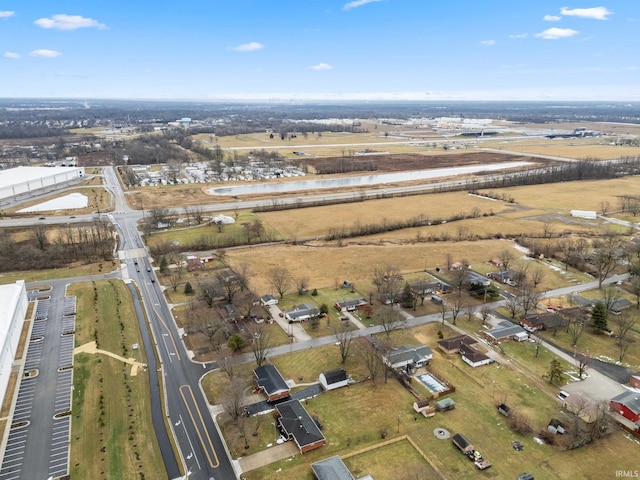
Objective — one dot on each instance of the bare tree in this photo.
(176, 269)
(528, 297)
(344, 337)
(196, 211)
(229, 284)
(372, 360)
(391, 319)
(232, 397)
(243, 274)
(606, 256)
(506, 256)
(537, 275)
(459, 279)
(635, 290)
(470, 312)
(230, 369)
(622, 324)
(456, 304)
(158, 216)
(211, 291)
(485, 311)
(40, 236)
(575, 330)
(387, 281)
(622, 349)
(260, 343)
(513, 305)
(280, 280)
(302, 284)
(582, 362)
(610, 295)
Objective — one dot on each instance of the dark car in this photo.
(41, 218)
(153, 280)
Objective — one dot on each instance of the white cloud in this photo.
(6, 13)
(44, 53)
(597, 13)
(518, 35)
(488, 43)
(358, 3)
(551, 18)
(248, 47)
(68, 22)
(321, 66)
(555, 33)
(11, 55)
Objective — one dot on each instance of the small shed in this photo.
(556, 427)
(334, 379)
(445, 405)
(423, 407)
(504, 409)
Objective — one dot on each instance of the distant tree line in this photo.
(28, 130)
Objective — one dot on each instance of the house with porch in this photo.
(350, 305)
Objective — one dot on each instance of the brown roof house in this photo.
(542, 321)
(466, 346)
(296, 424)
(270, 381)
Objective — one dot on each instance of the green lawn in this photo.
(111, 408)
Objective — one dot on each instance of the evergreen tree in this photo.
(164, 265)
(555, 371)
(188, 289)
(599, 317)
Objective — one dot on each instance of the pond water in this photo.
(359, 181)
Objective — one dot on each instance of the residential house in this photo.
(270, 381)
(193, 263)
(229, 312)
(474, 278)
(332, 468)
(474, 357)
(467, 347)
(334, 379)
(452, 345)
(297, 425)
(542, 321)
(627, 404)
(302, 312)
(350, 305)
(618, 306)
(408, 356)
(505, 331)
(268, 299)
(504, 276)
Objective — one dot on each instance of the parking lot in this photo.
(38, 443)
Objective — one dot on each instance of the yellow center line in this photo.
(199, 425)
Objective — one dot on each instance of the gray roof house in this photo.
(297, 424)
(302, 312)
(506, 331)
(268, 299)
(332, 468)
(271, 382)
(416, 356)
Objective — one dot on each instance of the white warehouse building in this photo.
(26, 180)
(13, 298)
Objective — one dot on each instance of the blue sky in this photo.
(321, 49)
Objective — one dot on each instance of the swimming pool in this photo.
(432, 383)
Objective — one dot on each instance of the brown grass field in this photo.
(569, 148)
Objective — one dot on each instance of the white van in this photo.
(562, 395)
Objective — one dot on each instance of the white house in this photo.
(588, 214)
(268, 299)
(334, 379)
(302, 312)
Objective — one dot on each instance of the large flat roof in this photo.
(13, 176)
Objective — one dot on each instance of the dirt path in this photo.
(91, 348)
